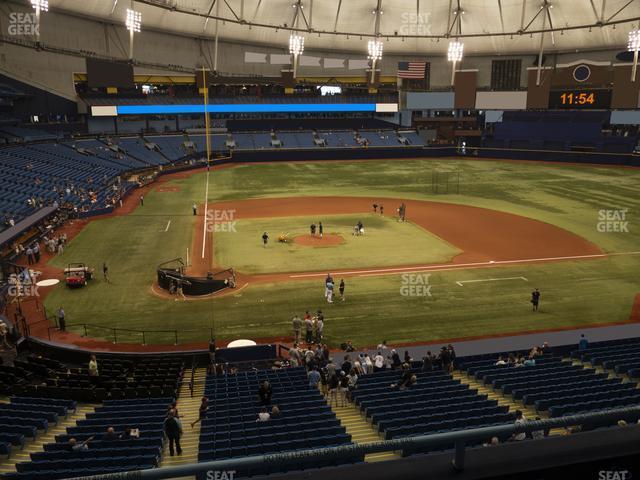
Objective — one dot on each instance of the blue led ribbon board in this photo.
(245, 108)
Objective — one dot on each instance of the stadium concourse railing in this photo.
(129, 335)
(459, 439)
(117, 334)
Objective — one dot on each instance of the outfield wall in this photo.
(245, 156)
(614, 159)
(275, 155)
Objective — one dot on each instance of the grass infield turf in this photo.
(386, 242)
(574, 293)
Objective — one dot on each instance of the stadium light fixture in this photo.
(134, 25)
(455, 51)
(454, 55)
(40, 5)
(374, 47)
(134, 21)
(296, 44)
(296, 47)
(633, 45)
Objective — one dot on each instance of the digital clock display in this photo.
(579, 99)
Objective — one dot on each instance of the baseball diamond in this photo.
(304, 239)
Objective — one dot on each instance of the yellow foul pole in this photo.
(207, 124)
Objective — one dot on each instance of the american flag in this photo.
(411, 69)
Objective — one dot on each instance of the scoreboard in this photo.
(580, 99)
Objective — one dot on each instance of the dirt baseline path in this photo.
(484, 236)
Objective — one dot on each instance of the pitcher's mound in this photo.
(327, 240)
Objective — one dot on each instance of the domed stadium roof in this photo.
(411, 26)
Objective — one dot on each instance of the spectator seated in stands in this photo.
(263, 416)
(493, 441)
(131, 433)
(265, 392)
(520, 420)
(500, 361)
(406, 379)
(74, 446)
(110, 436)
(537, 434)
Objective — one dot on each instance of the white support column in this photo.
(215, 44)
(541, 50)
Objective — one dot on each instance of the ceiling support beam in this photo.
(604, 4)
(553, 36)
(457, 21)
(105, 29)
(215, 44)
(501, 16)
(613, 19)
(206, 21)
(253, 23)
(376, 31)
(300, 10)
(533, 20)
(595, 10)
(619, 11)
(335, 24)
(541, 50)
(524, 8)
(233, 12)
(255, 14)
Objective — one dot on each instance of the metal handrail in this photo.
(114, 331)
(193, 375)
(458, 438)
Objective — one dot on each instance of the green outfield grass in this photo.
(574, 293)
(386, 243)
